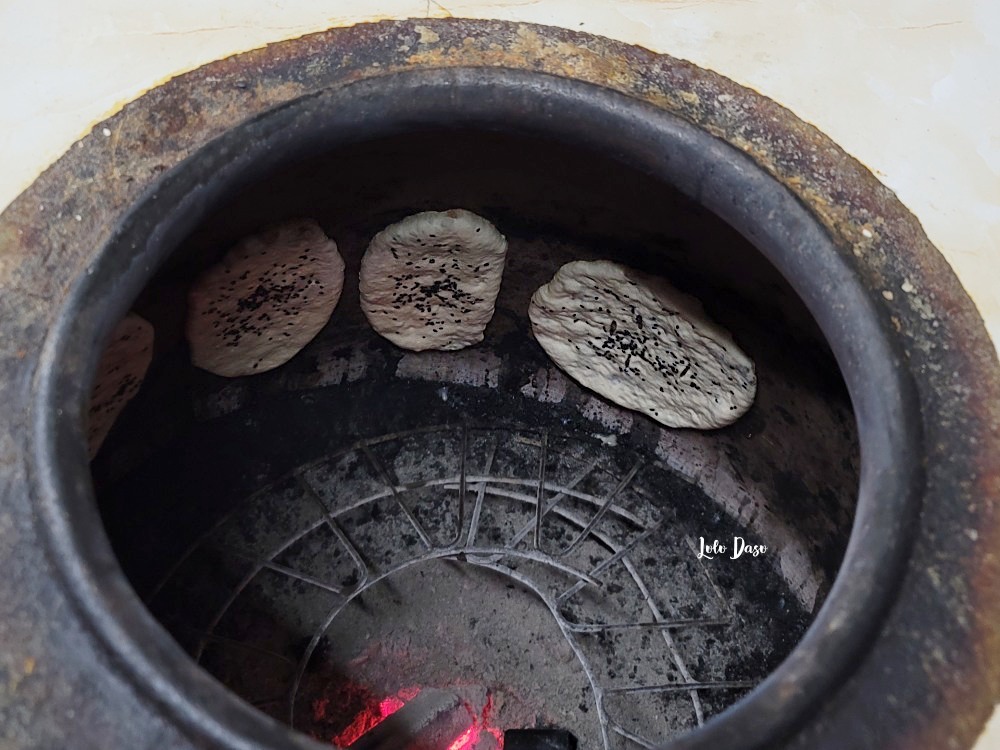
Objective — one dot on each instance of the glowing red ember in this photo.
(371, 716)
(389, 706)
(375, 713)
(466, 740)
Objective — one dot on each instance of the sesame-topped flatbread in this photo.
(431, 280)
(267, 299)
(639, 342)
(119, 375)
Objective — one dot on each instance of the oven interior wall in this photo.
(191, 449)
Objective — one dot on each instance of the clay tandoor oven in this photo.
(284, 560)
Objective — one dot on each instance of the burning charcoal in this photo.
(433, 720)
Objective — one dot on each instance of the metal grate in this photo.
(583, 528)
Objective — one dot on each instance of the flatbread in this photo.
(268, 298)
(642, 344)
(431, 280)
(119, 376)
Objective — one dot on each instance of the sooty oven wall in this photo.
(192, 446)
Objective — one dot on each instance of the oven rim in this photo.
(711, 171)
(933, 676)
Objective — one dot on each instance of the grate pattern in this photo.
(569, 521)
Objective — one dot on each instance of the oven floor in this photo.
(549, 580)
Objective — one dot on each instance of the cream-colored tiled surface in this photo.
(910, 87)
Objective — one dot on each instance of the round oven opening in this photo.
(363, 525)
